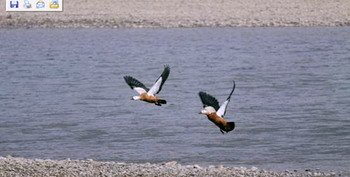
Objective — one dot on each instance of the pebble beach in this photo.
(11, 166)
(192, 13)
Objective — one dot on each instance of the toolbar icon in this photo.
(54, 4)
(14, 4)
(40, 4)
(27, 4)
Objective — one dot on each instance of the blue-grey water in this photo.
(62, 95)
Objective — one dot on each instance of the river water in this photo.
(62, 95)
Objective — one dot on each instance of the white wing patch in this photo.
(222, 109)
(139, 90)
(209, 109)
(155, 88)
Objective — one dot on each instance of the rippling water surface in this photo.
(62, 95)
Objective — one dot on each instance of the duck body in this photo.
(215, 113)
(152, 99)
(221, 122)
(149, 94)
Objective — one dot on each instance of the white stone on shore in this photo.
(172, 163)
(197, 166)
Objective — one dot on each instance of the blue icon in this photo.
(27, 4)
(14, 5)
(40, 4)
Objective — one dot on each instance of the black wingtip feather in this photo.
(165, 73)
(233, 89)
(164, 76)
(209, 100)
(128, 81)
(132, 82)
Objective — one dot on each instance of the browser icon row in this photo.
(34, 5)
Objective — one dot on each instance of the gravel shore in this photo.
(189, 13)
(11, 166)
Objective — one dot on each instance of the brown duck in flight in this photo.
(215, 113)
(146, 94)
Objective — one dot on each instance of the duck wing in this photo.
(157, 87)
(135, 84)
(222, 110)
(209, 100)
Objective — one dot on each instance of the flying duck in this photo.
(146, 94)
(215, 113)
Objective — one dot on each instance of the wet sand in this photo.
(191, 13)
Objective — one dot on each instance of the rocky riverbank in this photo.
(191, 13)
(11, 166)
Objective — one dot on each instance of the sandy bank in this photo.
(189, 13)
(10, 166)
